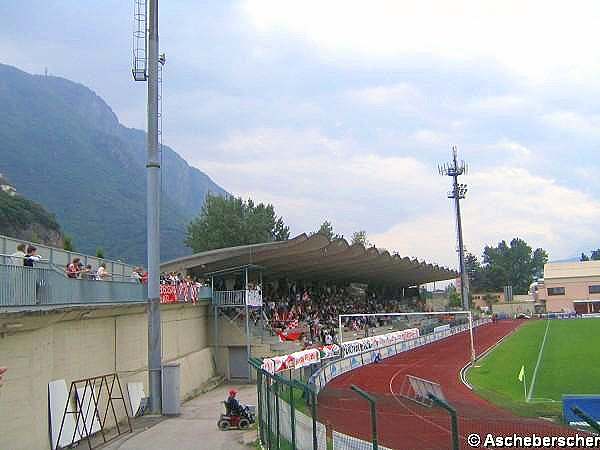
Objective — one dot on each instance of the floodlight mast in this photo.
(145, 68)
(454, 169)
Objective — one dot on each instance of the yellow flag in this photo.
(521, 373)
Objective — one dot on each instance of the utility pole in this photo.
(153, 217)
(454, 169)
(145, 68)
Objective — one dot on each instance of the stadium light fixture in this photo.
(454, 169)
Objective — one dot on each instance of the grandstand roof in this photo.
(316, 258)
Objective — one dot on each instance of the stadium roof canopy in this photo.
(316, 258)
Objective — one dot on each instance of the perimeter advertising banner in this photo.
(300, 359)
(362, 345)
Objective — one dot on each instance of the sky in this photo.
(342, 110)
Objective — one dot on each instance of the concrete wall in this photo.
(41, 346)
(514, 308)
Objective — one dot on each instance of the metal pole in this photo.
(453, 419)
(313, 405)
(216, 319)
(586, 417)
(464, 289)
(261, 311)
(341, 331)
(269, 430)
(292, 416)
(153, 216)
(248, 350)
(471, 337)
(372, 402)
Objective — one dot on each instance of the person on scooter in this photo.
(232, 405)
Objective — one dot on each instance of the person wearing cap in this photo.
(233, 406)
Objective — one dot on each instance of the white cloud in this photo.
(399, 95)
(401, 200)
(509, 103)
(515, 151)
(574, 122)
(501, 204)
(538, 39)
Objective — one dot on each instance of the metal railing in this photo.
(62, 258)
(229, 298)
(41, 286)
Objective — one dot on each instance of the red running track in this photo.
(405, 425)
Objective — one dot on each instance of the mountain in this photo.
(23, 219)
(62, 146)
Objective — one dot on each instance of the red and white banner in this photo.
(168, 293)
(289, 335)
(295, 360)
(182, 292)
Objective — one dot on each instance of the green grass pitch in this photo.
(569, 364)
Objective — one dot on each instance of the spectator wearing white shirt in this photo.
(102, 273)
(18, 256)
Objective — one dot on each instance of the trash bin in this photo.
(171, 374)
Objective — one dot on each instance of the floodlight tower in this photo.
(454, 169)
(145, 68)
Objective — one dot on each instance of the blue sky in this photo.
(342, 110)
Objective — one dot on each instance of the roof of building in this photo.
(316, 258)
(572, 270)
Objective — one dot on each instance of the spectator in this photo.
(73, 268)
(102, 273)
(17, 257)
(87, 273)
(136, 274)
(31, 256)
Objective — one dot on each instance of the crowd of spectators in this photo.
(76, 269)
(318, 310)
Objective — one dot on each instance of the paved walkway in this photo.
(194, 429)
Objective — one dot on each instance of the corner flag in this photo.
(521, 373)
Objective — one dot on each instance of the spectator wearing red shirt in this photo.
(73, 268)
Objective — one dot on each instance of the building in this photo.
(479, 299)
(570, 287)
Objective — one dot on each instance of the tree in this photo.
(474, 271)
(230, 221)
(100, 253)
(68, 243)
(360, 237)
(514, 265)
(539, 260)
(454, 300)
(326, 229)
(594, 256)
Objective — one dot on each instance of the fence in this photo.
(288, 411)
(29, 286)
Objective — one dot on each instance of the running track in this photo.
(405, 425)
